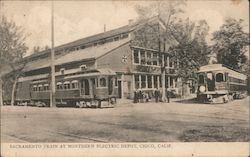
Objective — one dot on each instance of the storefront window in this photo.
(143, 81)
(137, 81)
(149, 81)
(155, 82)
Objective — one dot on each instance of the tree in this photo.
(12, 50)
(152, 35)
(187, 39)
(230, 44)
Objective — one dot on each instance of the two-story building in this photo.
(136, 67)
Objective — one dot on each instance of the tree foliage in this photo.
(191, 49)
(230, 44)
(12, 50)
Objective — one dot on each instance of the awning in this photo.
(66, 82)
(74, 81)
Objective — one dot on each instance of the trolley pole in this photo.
(53, 89)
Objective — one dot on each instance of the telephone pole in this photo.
(53, 89)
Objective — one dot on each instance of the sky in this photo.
(79, 19)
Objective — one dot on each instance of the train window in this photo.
(59, 85)
(201, 79)
(74, 84)
(66, 85)
(102, 82)
(35, 88)
(219, 77)
(46, 87)
(40, 87)
(210, 76)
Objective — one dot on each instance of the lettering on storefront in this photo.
(148, 69)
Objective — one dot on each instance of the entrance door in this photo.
(84, 87)
(93, 85)
(120, 89)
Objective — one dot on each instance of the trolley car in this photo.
(220, 84)
(94, 88)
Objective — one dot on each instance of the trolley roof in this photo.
(220, 67)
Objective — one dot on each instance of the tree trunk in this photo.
(13, 92)
(1, 92)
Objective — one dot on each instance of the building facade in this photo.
(136, 67)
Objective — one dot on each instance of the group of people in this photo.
(142, 96)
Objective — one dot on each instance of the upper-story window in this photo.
(83, 67)
(149, 58)
(155, 57)
(136, 56)
(143, 57)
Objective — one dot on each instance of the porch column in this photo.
(153, 83)
(174, 82)
(122, 86)
(139, 81)
(146, 80)
(168, 81)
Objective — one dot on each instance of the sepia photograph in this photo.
(124, 78)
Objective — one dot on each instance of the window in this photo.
(46, 87)
(137, 82)
(155, 57)
(40, 87)
(136, 57)
(102, 82)
(62, 71)
(143, 81)
(201, 79)
(83, 67)
(149, 54)
(59, 86)
(219, 77)
(66, 85)
(74, 84)
(155, 81)
(149, 81)
(143, 57)
(34, 87)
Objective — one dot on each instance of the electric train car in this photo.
(95, 88)
(219, 84)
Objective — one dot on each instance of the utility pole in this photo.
(53, 89)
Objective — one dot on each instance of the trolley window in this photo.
(102, 82)
(74, 84)
(201, 79)
(66, 85)
(219, 77)
(59, 85)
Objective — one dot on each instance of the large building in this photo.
(118, 50)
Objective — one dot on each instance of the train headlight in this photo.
(202, 88)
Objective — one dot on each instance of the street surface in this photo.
(184, 121)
